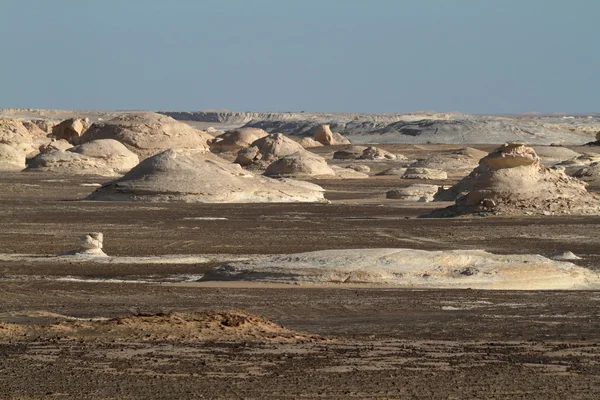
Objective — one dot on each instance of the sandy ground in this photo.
(358, 342)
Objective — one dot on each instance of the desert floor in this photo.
(356, 342)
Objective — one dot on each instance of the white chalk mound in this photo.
(265, 150)
(298, 165)
(411, 268)
(237, 139)
(104, 157)
(416, 192)
(148, 133)
(202, 177)
(425, 174)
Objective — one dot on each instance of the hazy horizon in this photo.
(381, 56)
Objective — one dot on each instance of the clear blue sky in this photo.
(476, 56)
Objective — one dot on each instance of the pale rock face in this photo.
(416, 192)
(201, 177)
(101, 157)
(299, 164)
(268, 149)
(45, 125)
(425, 174)
(14, 134)
(237, 139)
(147, 134)
(11, 159)
(34, 130)
(70, 129)
(511, 180)
(309, 142)
(475, 269)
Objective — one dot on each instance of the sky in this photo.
(474, 56)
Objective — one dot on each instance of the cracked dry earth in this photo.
(327, 342)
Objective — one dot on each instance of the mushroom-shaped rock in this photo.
(268, 149)
(104, 157)
(299, 164)
(11, 159)
(90, 245)
(148, 133)
(324, 136)
(70, 129)
(202, 177)
(416, 192)
(237, 139)
(511, 180)
(425, 174)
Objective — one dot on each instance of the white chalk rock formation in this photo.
(70, 129)
(348, 173)
(393, 172)
(349, 153)
(365, 169)
(416, 192)
(375, 153)
(55, 145)
(511, 180)
(148, 133)
(104, 157)
(324, 136)
(237, 139)
(14, 134)
(475, 269)
(202, 177)
(11, 159)
(299, 165)
(268, 149)
(90, 245)
(425, 174)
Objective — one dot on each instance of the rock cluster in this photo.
(511, 180)
(202, 177)
(104, 157)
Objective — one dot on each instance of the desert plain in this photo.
(295, 255)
